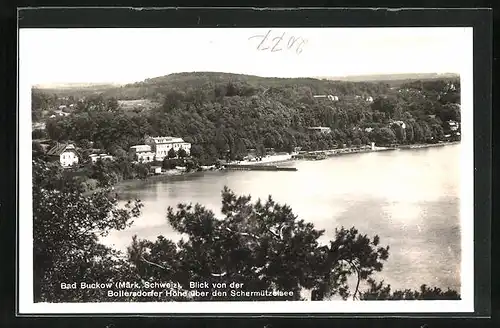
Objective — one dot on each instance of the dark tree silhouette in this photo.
(66, 229)
(380, 291)
(171, 153)
(263, 246)
(181, 153)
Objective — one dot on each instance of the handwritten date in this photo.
(275, 43)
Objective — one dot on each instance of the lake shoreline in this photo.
(273, 159)
(420, 146)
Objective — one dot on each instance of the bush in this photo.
(39, 134)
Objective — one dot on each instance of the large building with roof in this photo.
(160, 146)
(142, 153)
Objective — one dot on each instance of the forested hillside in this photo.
(260, 244)
(221, 113)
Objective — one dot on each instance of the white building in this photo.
(65, 154)
(142, 153)
(330, 97)
(453, 125)
(156, 169)
(160, 146)
(95, 157)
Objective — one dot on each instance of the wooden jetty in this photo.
(258, 167)
(310, 156)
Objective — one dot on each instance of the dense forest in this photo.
(227, 114)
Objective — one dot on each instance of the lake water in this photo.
(410, 198)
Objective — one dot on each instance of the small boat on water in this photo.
(181, 168)
(258, 167)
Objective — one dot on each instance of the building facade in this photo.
(160, 146)
(142, 153)
(95, 157)
(65, 154)
(329, 97)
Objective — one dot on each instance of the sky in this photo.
(53, 56)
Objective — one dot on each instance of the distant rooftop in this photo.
(60, 148)
(144, 147)
(165, 139)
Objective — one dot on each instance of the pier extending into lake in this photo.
(323, 154)
(249, 167)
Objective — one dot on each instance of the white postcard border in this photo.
(25, 299)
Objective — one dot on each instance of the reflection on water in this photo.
(410, 198)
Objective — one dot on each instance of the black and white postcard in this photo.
(246, 170)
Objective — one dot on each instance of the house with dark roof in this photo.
(65, 154)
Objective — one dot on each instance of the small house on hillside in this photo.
(65, 154)
(453, 125)
(329, 97)
(320, 129)
(156, 169)
(103, 157)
